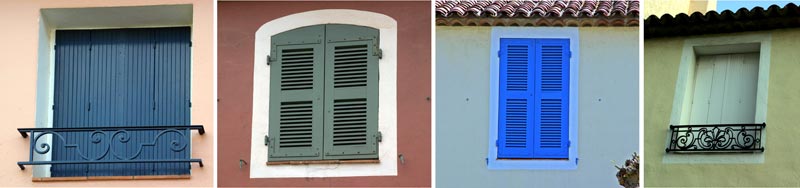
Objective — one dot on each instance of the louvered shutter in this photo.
(516, 99)
(551, 133)
(296, 95)
(351, 92)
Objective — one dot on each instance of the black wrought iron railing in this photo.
(103, 140)
(716, 138)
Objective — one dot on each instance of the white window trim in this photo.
(572, 34)
(93, 18)
(681, 104)
(387, 107)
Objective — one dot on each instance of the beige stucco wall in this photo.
(661, 61)
(19, 43)
(673, 7)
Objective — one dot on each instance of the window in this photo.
(324, 93)
(721, 89)
(121, 104)
(534, 99)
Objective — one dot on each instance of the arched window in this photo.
(324, 93)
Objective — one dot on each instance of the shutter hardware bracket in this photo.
(379, 137)
(270, 59)
(266, 140)
(379, 52)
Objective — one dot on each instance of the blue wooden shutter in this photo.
(551, 133)
(122, 77)
(515, 130)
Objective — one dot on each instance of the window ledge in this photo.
(358, 161)
(532, 164)
(89, 178)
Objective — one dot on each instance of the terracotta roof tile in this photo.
(537, 8)
(537, 13)
(727, 21)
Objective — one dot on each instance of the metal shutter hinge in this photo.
(569, 143)
(242, 163)
(498, 53)
(270, 60)
(266, 140)
(190, 44)
(379, 137)
(576, 161)
(54, 107)
(379, 53)
(497, 143)
(569, 54)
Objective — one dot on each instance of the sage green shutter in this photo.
(296, 94)
(351, 92)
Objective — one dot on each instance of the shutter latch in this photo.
(379, 137)
(270, 59)
(266, 140)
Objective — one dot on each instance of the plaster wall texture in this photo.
(662, 57)
(22, 51)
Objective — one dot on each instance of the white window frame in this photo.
(387, 107)
(572, 33)
(681, 105)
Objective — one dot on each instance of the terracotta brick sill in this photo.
(366, 161)
(90, 178)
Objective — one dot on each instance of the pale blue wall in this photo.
(607, 112)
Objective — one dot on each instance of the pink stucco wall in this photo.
(19, 39)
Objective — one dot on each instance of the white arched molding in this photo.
(387, 107)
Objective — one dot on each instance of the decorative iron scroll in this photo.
(716, 138)
(106, 136)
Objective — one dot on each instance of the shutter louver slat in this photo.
(350, 126)
(350, 66)
(297, 71)
(295, 124)
(516, 123)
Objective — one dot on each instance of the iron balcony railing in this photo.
(716, 138)
(104, 138)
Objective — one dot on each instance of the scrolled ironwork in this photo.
(716, 138)
(105, 138)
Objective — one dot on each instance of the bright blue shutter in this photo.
(551, 133)
(515, 130)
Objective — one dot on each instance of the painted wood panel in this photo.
(122, 77)
(725, 89)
